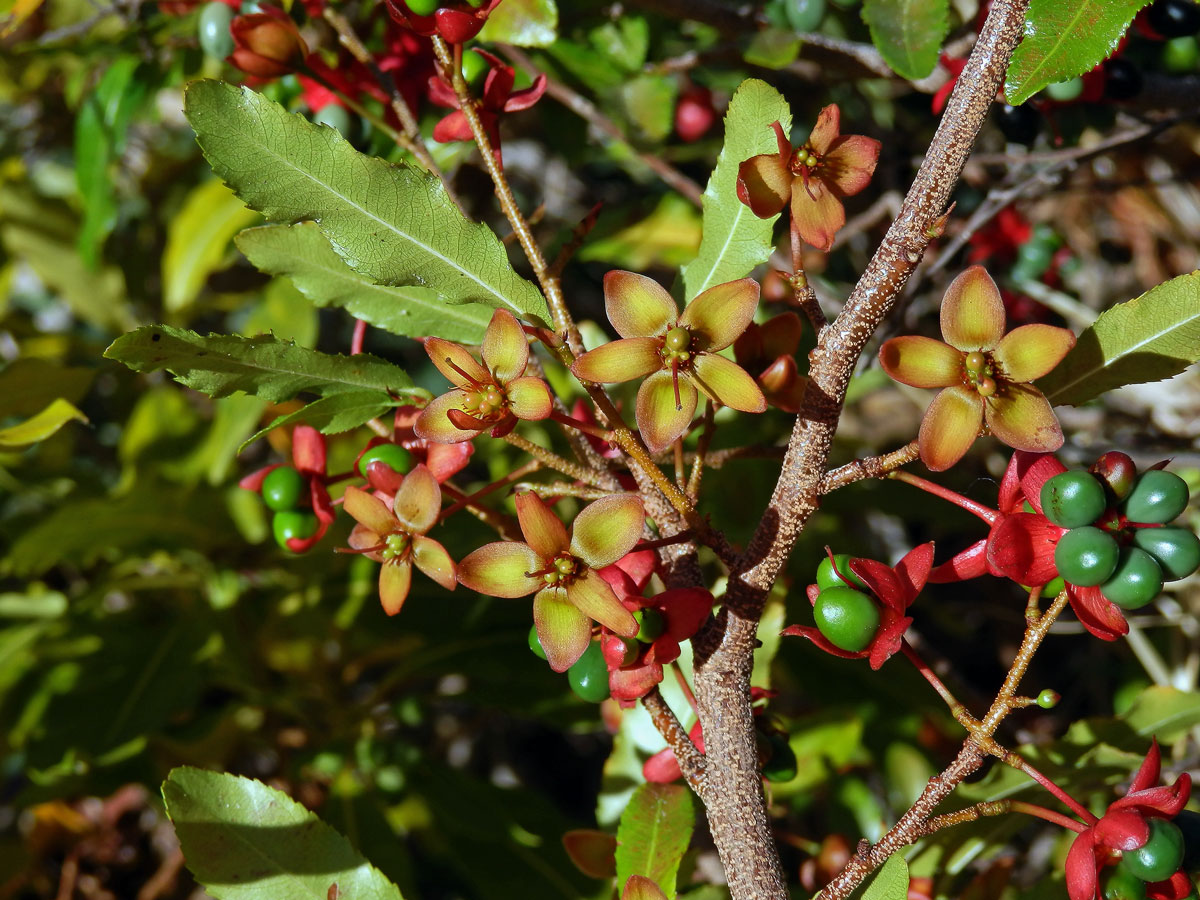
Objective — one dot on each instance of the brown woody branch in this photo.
(724, 651)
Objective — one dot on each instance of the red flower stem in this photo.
(684, 686)
(1032, 809)
(986, 513)
(506, 526)
(360, 333)
(957, 709)
(514, 475)
(595, 431)
(1019, 763)
(804, 295)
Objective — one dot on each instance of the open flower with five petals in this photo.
(1125, 826)
(985, 374)
(895, 588)
(677, 351)
(561, 566)
(488, 396)
(813, 179)
(394, 534)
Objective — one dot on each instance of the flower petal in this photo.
(592, 596)
(1031, 351)
(1097, 613)
(498, 570)
(1081, 867)
(505, 349)
(913, 570)
(369, 510)
(970, 563)
(972, 311)
(431, 558)
(814, 635)
(418, 503)
(529, 399)
(563, 630)
(363, 538)
(433, 424)
(728, 383)
(394, 580)
(1149, 771)
(1023, 418)
(526, 97)
(1122, 829)
(447, 460)
(817, 213)
(1178, 887)
(308, 450)
(543, 530)
(636, 305)
(827, 129)
(764, 184)
(950, 427)
(1020, 546)
(639, 887)
(658, 418)
(850, 163)
(718, 315)
(888, 638)
(685, 610)
(1024, 477)
(633, 683)
(621, 360)
(604, 531)
(446, 355)
(921, 362)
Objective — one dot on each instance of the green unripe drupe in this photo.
(1048, 699)
(1121, 884)
(1065, 91)
(1160, 857)
(828, 577)
(422, 7)
(1136, 581)
(535, 643)
(1176, 549)
(848, 618)
(213, 30)
(1181, 55)
(781, 766)
(805, 15)
(1157, 498)
(1086, 556)
(651, 625)
(474, 66)
(293, 523)
(589, 676)
(335, 117)
(393, 456)
(1071, 499)
(283, 488)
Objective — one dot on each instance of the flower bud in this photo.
(267, 44)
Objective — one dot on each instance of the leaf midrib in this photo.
(1106, 361)
(1049, 54)
(390, 226)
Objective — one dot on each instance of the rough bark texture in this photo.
(724, 651)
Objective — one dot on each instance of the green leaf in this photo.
(198, 239)
(41, 426)
(333, 414)
(892, 881)
(219, 365)
(301, 253)
(773, 48)
(1165, 713)
(669, 236)
(30, 384)
(523, 23)
(654, 833)
(1149, 338)
(246, 841)
(908, 33)
(648, 101)
(392, 223)
(1063, 40)
(735, 240)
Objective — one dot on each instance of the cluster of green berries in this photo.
(429, 7)
(1119, 538)
(846, 615)
(588, 676)
(286, 493)
(1156, 860)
